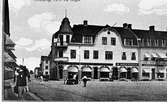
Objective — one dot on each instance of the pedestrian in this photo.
(21, 81)
(84, 80)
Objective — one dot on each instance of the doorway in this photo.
(153, 73)
(61, 72)
(95, 72)
(115, 73)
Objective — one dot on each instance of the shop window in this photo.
(153, 58)
(133, 56)
(104, 74)
(113, 41)
(46, 67)
(95, 54)
(86, 54)
(73, 54)
(145, 58)
(87, 39)
(146, 74)
(104, 40)
(160, 75)
(87, 74)
(124, 56)
(108, 55)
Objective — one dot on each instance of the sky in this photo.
(33, 22)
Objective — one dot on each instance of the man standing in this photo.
(22, 81)
(84, 80)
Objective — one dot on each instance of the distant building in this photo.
(45, 65)
(99, 51)
(37, 72)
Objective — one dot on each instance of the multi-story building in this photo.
(45, 65)
(101, 51)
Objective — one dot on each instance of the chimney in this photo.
(151, 28)
(130, 26)
(85, 22)
(125, 25)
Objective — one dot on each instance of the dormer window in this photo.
(67, 38)
(156, 42)
(128, 42)
(87, 40)
(163, 43)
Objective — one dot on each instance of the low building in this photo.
(45, 65)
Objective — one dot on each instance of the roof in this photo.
(147, 34)
(92, 30)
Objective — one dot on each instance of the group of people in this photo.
(21, 80)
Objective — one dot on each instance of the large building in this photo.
(100, 52)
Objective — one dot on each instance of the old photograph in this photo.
(84, 50)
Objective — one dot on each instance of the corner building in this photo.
(99, 52)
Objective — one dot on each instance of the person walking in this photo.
(21, 81)
(84, 80)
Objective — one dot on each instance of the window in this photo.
(104, 40)
(113, 41)
(128, 42)
(160, 75)
(95, 54)
(46, 61)
(46, 67)
(68, 38)
(133, 56)
(87, 39)
(108, 55)
(124, 56)
(86, 54)
(145, 58)
(61, 39)
(73, 54)
(46, 73)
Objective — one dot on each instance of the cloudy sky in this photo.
(34, 21)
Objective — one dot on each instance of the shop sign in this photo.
(127, 64)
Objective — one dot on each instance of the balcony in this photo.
(61, 45)
(61, 59)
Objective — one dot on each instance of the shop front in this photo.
(72, 75)
(104, 73)
(87, 71)
(146, 73)
(122, 72)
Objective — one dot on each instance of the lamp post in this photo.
(139, 58)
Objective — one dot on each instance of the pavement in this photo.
(95, 91)
(9, 95)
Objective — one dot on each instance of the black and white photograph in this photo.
(84, 50)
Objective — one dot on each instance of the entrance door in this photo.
(95, 73)
(60, 72)
(115, 73)
(153, 73)
(129, 73)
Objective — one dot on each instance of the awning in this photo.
(134, 70)
(161, 71)
(147, 70)
(8, 40)
(146, 55)
(105, 69)
(162, 55)
(72, 69)
(86, 69)
(154, 55)
(8, 58)
(123, 70)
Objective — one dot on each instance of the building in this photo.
(101, 52)
(45, 65)
(37, 72)
(9, 58)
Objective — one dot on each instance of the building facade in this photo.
(102, 52)
(45, 65)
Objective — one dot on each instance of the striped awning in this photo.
(135, 70)
(73, 69)
(87, 69)
(122, 69)
(8, 58)
(154, 55)
(161, 71)
(104, 69)
(147, 70)
(162, 55)
(146, 55)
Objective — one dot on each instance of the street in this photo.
(100, 91)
